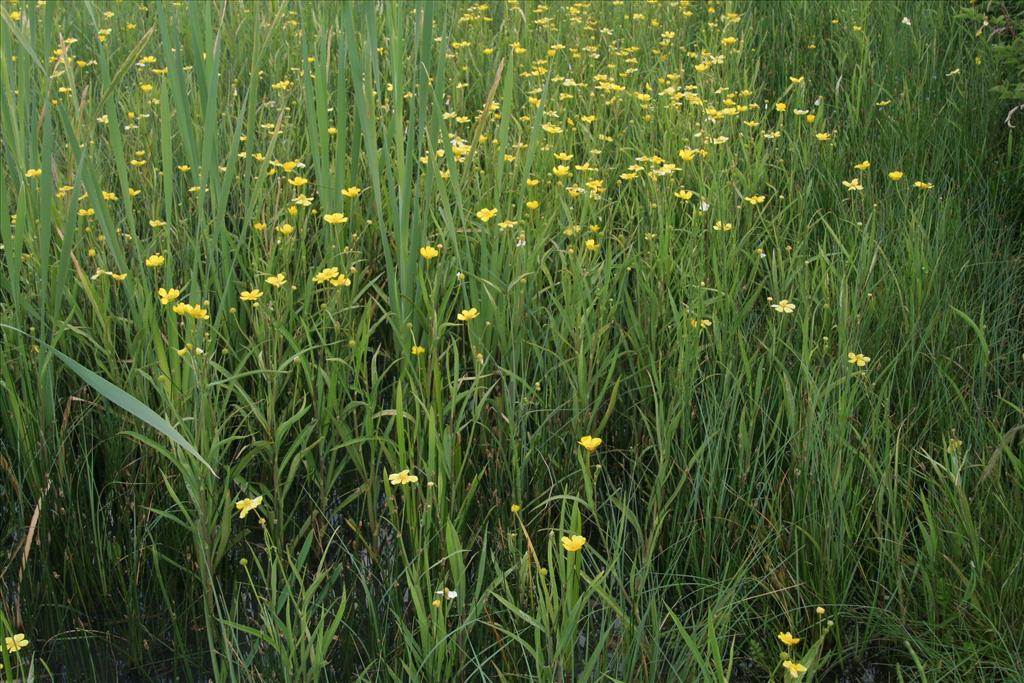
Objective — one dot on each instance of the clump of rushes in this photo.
(502, 340)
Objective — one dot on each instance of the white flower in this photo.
(906, 21)
(447, 593)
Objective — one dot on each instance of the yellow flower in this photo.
(685, 195)
(297, 181)
(155, 261)
(199, 313)
(592, 245)
(468, 314)
(447, 593)
(780, 106)
(108, 196)
(863, 166)
(87, 212)
(436, 602)
(335, 218)
(342, 281)
(156, 223)
(794, 668)
(33, 173)
(253, 295)
(325, 275)
(687, 154)
(351, 192)
(573, 544)
(184, 167)
(15, 642)
(921, 185)
(276, 280)
(754, 199)
(402, 478)
(895, 175)
(486, 214)
(259, 227)
(285, 229)
(428, 252)
(516, 507)
(858, 359)
(561, 171)
(247, 505)
(590, 442)
(167, 295)
(418, 350)
(823, 137)
(784, 306)
(532, 205)
(722, 227)
(788, 639)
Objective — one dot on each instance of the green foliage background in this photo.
(748, 473)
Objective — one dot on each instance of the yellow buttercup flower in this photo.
(155, 261)
(418, 350)
(858, 359)
(428, 252)
(247, 505)
(167, 295)
(251, 296)
(276, 280)
(468, 314)
(33, 173)
(591, 443)
(788, 639)
(326, 275)
(863, 166)
(573, 544)
(351, 192)
(15, 642)
(402, 478)
(895, 175)
(795, 669)
(486, 214)
(335, 218)
(784, 306)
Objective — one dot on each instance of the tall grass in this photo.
(750, 480)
